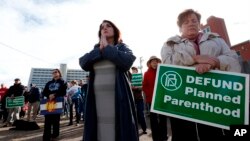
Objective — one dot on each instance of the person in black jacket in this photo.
(15, 90)
(84, 88)
(34, 101)
(53, 89)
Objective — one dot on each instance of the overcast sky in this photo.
(45, 33)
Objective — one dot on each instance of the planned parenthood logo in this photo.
(171, 80)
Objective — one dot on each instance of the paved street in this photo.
(67, 133)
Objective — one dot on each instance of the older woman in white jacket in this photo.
(204, 51)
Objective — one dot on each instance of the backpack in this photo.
(77, 94)
(25, 125)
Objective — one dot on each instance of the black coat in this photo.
(125, 116)
(34, 95)
(16, 90)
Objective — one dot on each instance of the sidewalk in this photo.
(67, 133)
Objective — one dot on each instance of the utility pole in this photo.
(141, 60)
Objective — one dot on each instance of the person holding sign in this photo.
(205, 52)
(110, 111)
(139, 101)
(53, 89)
(15, 90)
(158, 122)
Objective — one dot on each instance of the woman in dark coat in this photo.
(110, 110)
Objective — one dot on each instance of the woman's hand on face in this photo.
(206, 59)
(202, 68)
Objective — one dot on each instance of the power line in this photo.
(22, 52)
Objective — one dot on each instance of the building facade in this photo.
(217, 25)
(243, 49)
(40, 76)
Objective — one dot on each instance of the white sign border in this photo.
(196, 120)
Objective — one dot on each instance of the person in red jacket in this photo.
(3, 110)
(158, 122)
(3, 90)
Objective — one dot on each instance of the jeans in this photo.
(76, 103)
(140, 113)
(66, 108)
(82, 106)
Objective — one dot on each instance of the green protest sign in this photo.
(15, 102)
(216, 98)
(136, 79)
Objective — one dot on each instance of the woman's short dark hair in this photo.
(183, 15)
(60, 74)
(117, 33)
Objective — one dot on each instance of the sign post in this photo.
(216, 98)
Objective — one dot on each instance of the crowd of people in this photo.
(113, 108)
(31, 102)
(73, 93)
(110, 60)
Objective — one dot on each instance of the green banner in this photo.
(136, 79)
(216, 98)
(15, 102)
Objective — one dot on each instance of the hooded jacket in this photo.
(125, 115)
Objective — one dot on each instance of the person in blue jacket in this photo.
(110, 111)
